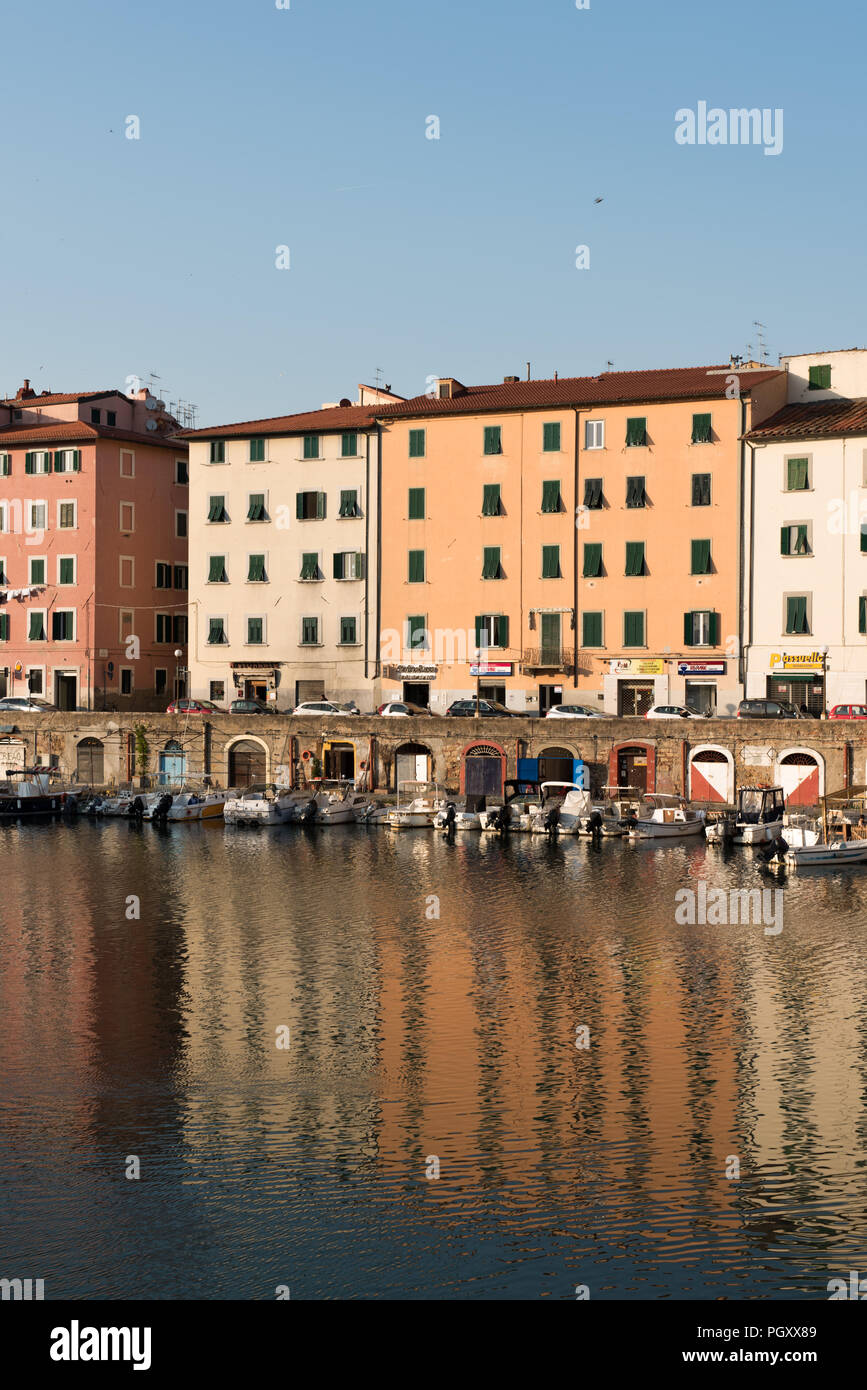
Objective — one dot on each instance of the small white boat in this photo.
(759, 817)
(465, 819)
(662, 817)
(807, 848)
(341, 807)
(522, 799)
(617, 807)
(198, 806)
(564, 803)
(29, 793)
(375, 813)
(258, 806)
(417, 806)
(116, 805)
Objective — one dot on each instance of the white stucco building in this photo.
(805, 596)
(283, 534)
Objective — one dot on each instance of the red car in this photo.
(848, 712)
(194, 707)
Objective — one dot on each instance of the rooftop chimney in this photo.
(508, 380)
(24, 393)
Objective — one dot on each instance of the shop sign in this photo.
(411, 672)
(701, 668)
(492, 668)
(637, 666)
(797, 661)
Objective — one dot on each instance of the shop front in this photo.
(415, 681)
(699, 685)
(640, 683)
(798, 678)
(255, 680)
(491, 677)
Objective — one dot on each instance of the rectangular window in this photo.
(797, 614)
(552, 500)
(4, 627)
(348, 564)
(700, 557)
(701, 429)
(182, 472)
(5, 465)
(66, 569)
(593, 494)
(66, 516)
(181, 525)
(38, 518)
(491, 505)
(37, 571)
(111, 417)
(179, 630)
(798, 475)
(36, 625)
(67, 461)
(701, 489)
(216, 632)
(217, 690)
(633, 629)
(635, 557)
(491, 567)
(416, 504)
(217, 509)
(37, 461)
(255, 632)
(161, 681)
(257, 451)
(593, 561)
(126, 619)
(493, 440)
(591, 629)
(309, 632)
(796, 539)
(349, 503)
(635, 493)
(256, 569)
(310, 566)
(217, 573)
(551, 438)
(551, 562)
(311, 446)
(310, 506)
(862, 613)
(256, 508)
(126, 680)
(95, 415)
(492, 630)
(416, 567)
(34, 680)
(163, 575)
(126, 567)
(182, 577)
(701, 629)
(594, 434)
(416, 444)
(348, 632)
(820, 378)
(127, 463)
(218, 451)
(127, 516)
(63, 625)
(636, 432)
(349, 446)
(416, 632)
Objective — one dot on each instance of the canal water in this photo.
(612, 1096)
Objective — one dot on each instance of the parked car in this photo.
(573, 712)
(194, 707)
(493, 708)
(350, 707)
(26, 702)
(848, 712)
(401, 707)
(321, 707)
(252, 707)
(672, 712)
(760, 709)
(791, 711)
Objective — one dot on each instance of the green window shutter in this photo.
(491, 562)
(256, 509)
(550, 562)
(299, 506)
(714, 630)
(28, 463)
(700, 557)
(254, 631)
(347, 631)
(480, 628)
(310, 565)
(257, 451)
(492, 439)
(593, 560)
(820, 378)
(36, 630)
(311, 446)
(491, 499)
(320, 506)
(797, 470)
(76, 460)
(349, 446)
(687, 630)
(633, 629)
(862, 614)
(416, 444)
(415, 628)
(551, 496)
(256, 570)
(215, 631)
(701, 489)
(348, 502)
(796, 615)
(337, 565)
(802, 545)
(551, 438)
(37, 571)
(591, 629)
(4, 626)
(416, 504)
(701, 432)
(635, 557)
(502, 631)
(217, 570)
(5, 465)
(786, 540)
(217, 509)
(67, 570)
(635, 494)
(416, 567)
(636, 431)
(593, 493)
(58, 460)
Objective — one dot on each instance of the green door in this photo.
(550, 639)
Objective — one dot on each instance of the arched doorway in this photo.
(484, 767)
(173, 764)
(90, 762)
(711, 775)
(556, 765)
(412, 763)
(801, 774)
(633, 765)
(247, 763)
(339, 761)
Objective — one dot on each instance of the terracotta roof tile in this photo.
(63, 398)
(78, 432)
(814, 420)
(337, 418)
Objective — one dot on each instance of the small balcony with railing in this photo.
(548, 658)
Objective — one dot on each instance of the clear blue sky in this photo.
(306, 127)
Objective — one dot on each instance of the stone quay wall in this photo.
(706, 760)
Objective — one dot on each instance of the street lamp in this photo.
(178, 654)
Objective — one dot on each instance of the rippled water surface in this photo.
(417, 1036)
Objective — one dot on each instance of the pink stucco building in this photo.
(93, 549)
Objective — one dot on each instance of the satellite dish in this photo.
(151, 424)
(151, 402)
(346, 401)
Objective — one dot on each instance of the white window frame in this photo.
(120, 563)
(186, 464)
(74, 559)
(68, 502)
(68, 458)
(598, 434)
(793, 526)
(43, 672)
(256, 617)
(127, 454)
(33, 526)
(44, 612)
(2, 517)
(350, 578)
(125, 530)
(30, 561)
(166, 564)
(123, 637)
(310, 617)
(74, 637)
(45, 456)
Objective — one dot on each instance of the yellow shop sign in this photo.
(797, 661)
(637, 666)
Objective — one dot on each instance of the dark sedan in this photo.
(467, 708)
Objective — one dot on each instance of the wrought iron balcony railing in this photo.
(548, 658)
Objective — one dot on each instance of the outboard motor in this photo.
(161, 810)
(137, 809)
(773, 849)
(594, 825)
(308, 815)
(552, 822)
(503, 820)
(449, 822)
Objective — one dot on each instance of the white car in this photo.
(320, 707)
(671, 712)
(25, 703)
(401, 707)
(573, 712)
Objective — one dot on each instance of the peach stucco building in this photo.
(93, 549)
(583, 534)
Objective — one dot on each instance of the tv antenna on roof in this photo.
(378, 379)
(763, 351)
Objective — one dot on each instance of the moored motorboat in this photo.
(341, 807)
(417, 806)
(197, 806)
(29, 793)
(611, 814)
(258, 806)
(563, 806)
(759, 817)
(521, 798)
(661, 816)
